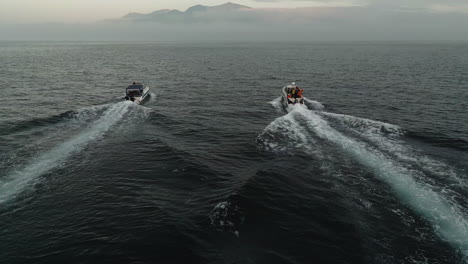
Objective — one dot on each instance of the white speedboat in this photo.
(292, 94)
(137, 92)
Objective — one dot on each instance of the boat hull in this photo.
(289, 100)
(139, 99)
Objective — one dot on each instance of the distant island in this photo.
(197, 13)
(235, 22)
(235, 13)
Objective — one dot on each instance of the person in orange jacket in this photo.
(299, 92)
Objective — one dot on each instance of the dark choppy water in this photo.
(213, 170)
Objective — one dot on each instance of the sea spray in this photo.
(314, 105)
(285, 133)
(16, 181)
(276, 103)
(365, 125)
(388, 138)
(445, 215)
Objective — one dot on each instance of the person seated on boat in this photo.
(299, 92)
(134, 83)
(291, 87)
(293, 92)
(296, 92)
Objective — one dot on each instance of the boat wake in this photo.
(311, 104)
(226, 216)
(379, 147)
(315, 105)
(14, 182)
(276, 103)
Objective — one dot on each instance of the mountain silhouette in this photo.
(197, 13)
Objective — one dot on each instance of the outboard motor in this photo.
(132, 99)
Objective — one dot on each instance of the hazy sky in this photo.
(366, 20)
(39, 11)
(43, 11)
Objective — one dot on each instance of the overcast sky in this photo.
(39, 11)
(342, 20)
(43, 11)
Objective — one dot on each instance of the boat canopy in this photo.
(135, 86)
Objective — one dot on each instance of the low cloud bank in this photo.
(305, 24)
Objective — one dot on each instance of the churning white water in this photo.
(16, 181)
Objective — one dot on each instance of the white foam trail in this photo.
(152, 97)
(276, 103)
(375, 130)
(446, 217)
(18, 180)
(286, 131)
(365, 125)
(292, 107)
(316, 105)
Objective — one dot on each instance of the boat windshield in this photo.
(133, 93)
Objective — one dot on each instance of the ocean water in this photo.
(214, 169)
